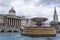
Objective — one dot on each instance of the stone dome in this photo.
(12, 10)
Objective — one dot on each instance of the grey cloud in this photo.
(27, 0)
(47, 2)
(4, 5)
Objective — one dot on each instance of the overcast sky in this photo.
(31, 8)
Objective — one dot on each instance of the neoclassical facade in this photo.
(11, 21)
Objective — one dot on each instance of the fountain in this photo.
(38, 31)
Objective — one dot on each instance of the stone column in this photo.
(19, 23)
(2, 21)
(16, 21)
(13, 22)
(9, 21)
(6, 21)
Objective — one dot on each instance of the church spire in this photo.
(55, 12)
(55, 16)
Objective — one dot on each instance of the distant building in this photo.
(10, 21)
(55, 19)
(24, 21)
(55, 16)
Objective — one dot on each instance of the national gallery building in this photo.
(11, 21)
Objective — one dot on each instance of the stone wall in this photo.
(7, 28)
